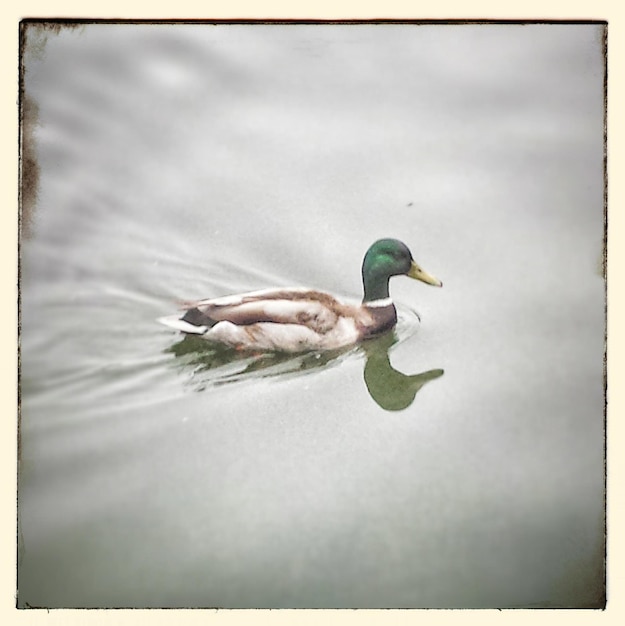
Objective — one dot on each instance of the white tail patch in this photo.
(173, 321)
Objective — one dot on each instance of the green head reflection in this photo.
(391, 389)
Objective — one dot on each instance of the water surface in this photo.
(457, 462)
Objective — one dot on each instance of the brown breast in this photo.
(376, 320)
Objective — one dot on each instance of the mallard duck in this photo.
(299, 319)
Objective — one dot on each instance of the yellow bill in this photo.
(416, 272)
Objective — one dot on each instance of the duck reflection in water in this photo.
(215, 365)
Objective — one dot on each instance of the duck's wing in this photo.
(317, 310)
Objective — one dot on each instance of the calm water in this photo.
(457, 462)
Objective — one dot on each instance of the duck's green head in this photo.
(386, 258)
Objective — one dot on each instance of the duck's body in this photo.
(298, 319)
(289, 320)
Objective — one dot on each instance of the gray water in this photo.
(457, 462)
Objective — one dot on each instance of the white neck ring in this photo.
(382, 302)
